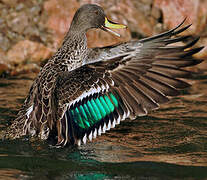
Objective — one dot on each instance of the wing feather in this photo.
(140, 74)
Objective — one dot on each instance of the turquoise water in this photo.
(170, 143)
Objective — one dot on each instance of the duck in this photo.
(82, 92)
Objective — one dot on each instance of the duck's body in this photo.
(80, 93)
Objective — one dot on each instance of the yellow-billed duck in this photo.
(82, 92)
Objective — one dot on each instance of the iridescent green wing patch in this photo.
(95, 115)
(93, 110)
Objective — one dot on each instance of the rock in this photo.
(1, 21)
(32, 31)
(60, 14)
(19, 7)
(11, 3)
(156, 12)
(18, 22)
(174, 12)
(21, 21)
(4, 42)
(25, 69)
(26, 50)
(4, 66)
(35, 10)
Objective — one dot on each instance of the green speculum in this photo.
(94, 110)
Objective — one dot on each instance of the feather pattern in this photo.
(81, 93)
(142, 76)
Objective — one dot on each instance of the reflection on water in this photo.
(169, 143)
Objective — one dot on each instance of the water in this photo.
(170, 143)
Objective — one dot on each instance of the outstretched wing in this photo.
(130, 80)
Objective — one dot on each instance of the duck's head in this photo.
(92, 16)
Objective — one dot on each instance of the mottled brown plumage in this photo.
(140, 75)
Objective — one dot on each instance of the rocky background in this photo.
(32, 30)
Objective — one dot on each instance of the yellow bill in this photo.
(113, 25)
(109, 24)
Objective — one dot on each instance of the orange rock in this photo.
(174, 12)
(28, 51)
(60, 14)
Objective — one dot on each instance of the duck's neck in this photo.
(75, 38)
(74, 50)
(77, 34)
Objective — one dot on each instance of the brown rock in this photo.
(24, 69)
(18, 21)
(11, 3)
(4, 66)
(156, 12)
(174, 12)
(27, 50)
(4, 42)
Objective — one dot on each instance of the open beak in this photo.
(108, 25)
